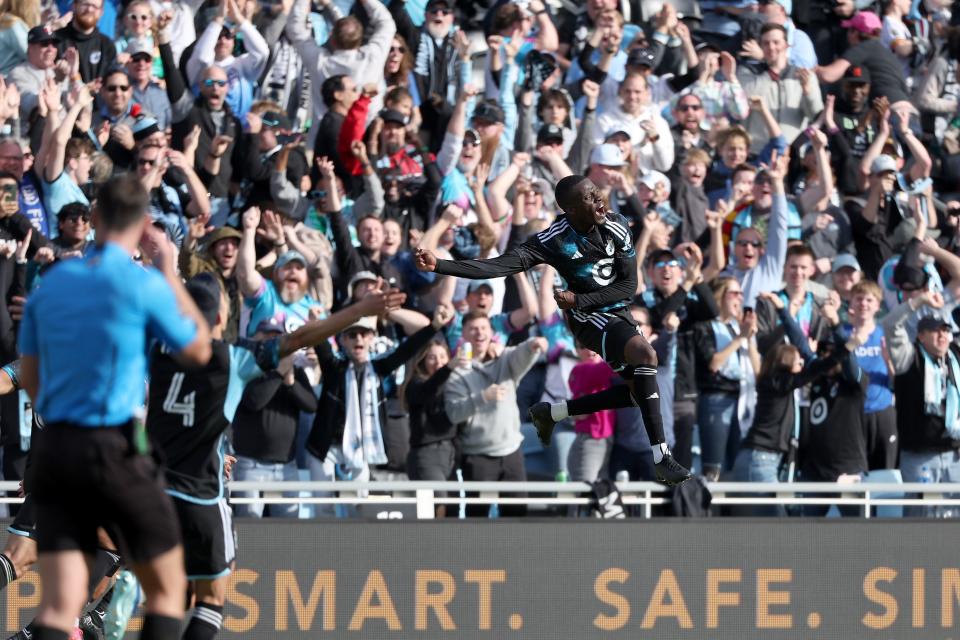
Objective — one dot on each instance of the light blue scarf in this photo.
(738, 367)
(933, 390)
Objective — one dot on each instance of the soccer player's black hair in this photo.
(565, 191)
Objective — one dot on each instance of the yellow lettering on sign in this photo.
(484, 579)
(243, 601)
(882, 598)
(437, 601)
(919, 612)
(383, 608)
(677, 608)
(767, 598)
(324, 584)
(949, 592)
(717, 598)
(602, 592)
(17, 600)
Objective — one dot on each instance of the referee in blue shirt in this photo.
(84, 338)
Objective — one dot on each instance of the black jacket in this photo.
(332, 411)
(428, 416)
(919, 432)
(185, 119)
(770, 330)
(351, 259)
(696, 306)
(265, 426)
(97, 51)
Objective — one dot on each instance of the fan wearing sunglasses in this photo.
(758, 255)
(216, 46)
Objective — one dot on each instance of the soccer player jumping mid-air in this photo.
(592, 249)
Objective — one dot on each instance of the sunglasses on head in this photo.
(660, 264)
(749, 243)
(209, 82)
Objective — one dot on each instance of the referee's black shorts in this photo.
(93, 477)
(606, 333)
(209, 540)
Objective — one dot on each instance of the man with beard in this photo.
(284, 294)
(32, 75)
(850, 114)
(396, 155)
(97, 51)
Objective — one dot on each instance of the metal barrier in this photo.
(428, 495)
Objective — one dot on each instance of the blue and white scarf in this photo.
(362, 435)
(934, 388)
(738, 367)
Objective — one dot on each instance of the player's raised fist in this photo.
(425, 260)
(565, 299)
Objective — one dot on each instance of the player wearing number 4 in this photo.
(592, 250)
(188, 412)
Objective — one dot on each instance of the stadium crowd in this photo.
(789, 174)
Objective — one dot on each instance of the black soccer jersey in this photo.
(189, 410)
(836, 441)
(600, 267)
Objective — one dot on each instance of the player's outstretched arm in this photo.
(509, 263)
(375, 303)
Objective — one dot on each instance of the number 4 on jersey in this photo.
(187, 408)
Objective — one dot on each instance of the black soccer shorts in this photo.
(605, 332)
(209, 539)
(90, 477)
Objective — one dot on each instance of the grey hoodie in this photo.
(489, 428)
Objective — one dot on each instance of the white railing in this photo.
(426, 496)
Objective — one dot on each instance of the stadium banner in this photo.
(711, 578)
